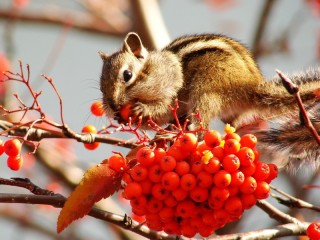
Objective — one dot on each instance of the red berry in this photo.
(185, 208)
(218, 152)
(212, 166)
(188, 182)
(91, 146)
(159, 153)
(212, 138)
(179, 194)
(166, 214)
(182, 168)
(139, 202)
(230, 163)
(117, 163)
(197, 167)
(234, 136)
(313, 231)
(155, 173)
(154, 205)
(237, 178)
(219, 194)
(248, 170)
(132, 190)
(222, 178)
(1, 147)
(167, 163)
(89, 129)
(12, 147)
(138, 173)
(145, 156)
(188, 142)
(246, 156)
(248, 200)
(262, 171)
(249, 185)
(170, 181)
(96, 108)
(273, 172)
(177, 152)
(15, 162)
(204, 179)
(159, 192)
(231, 146)
(248, 140)
(262, 191)
(199, 194)
(233, 206)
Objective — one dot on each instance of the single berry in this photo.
(231, 146)
(313, 231)
(248, 140)
(212, 166)
(231, 163)
(96, 108)
(199, 194)
(249, 185)
(170, 181)
(1, 147)
(117, 162)
(145, 156)
(204, 179)
(219, 194)
(182, 168)
(262, 191)
(15, 162)
(222, 178)
(188, 142)
(248, 200)
(12, 147)
(138, 173)
(188, 182)
(233, 135)
(237, 178)
(212, 138)
(246, 156)
(167, 163)
(262, 171)
(159, 192)
(132, 190)
(89, 129)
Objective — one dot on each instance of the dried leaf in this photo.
(98, 182)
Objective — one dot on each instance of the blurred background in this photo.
(61, 39)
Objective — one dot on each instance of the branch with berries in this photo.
(177, 185)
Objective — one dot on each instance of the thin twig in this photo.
(275, 213)
(293, 201)
(294, 90)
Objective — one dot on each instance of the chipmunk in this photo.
(214, 74)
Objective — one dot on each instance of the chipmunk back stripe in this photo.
(181, 42)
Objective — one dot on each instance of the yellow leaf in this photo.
(98, 182)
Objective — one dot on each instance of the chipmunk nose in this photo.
(112, 105)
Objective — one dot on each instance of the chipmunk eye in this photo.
(127, 75)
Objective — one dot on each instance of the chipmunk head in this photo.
(120, 71)
(134, 75)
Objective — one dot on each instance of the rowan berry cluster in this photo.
(196, 187)
(12, 148)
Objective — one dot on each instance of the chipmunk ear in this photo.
(103, 55)
(133, 44)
